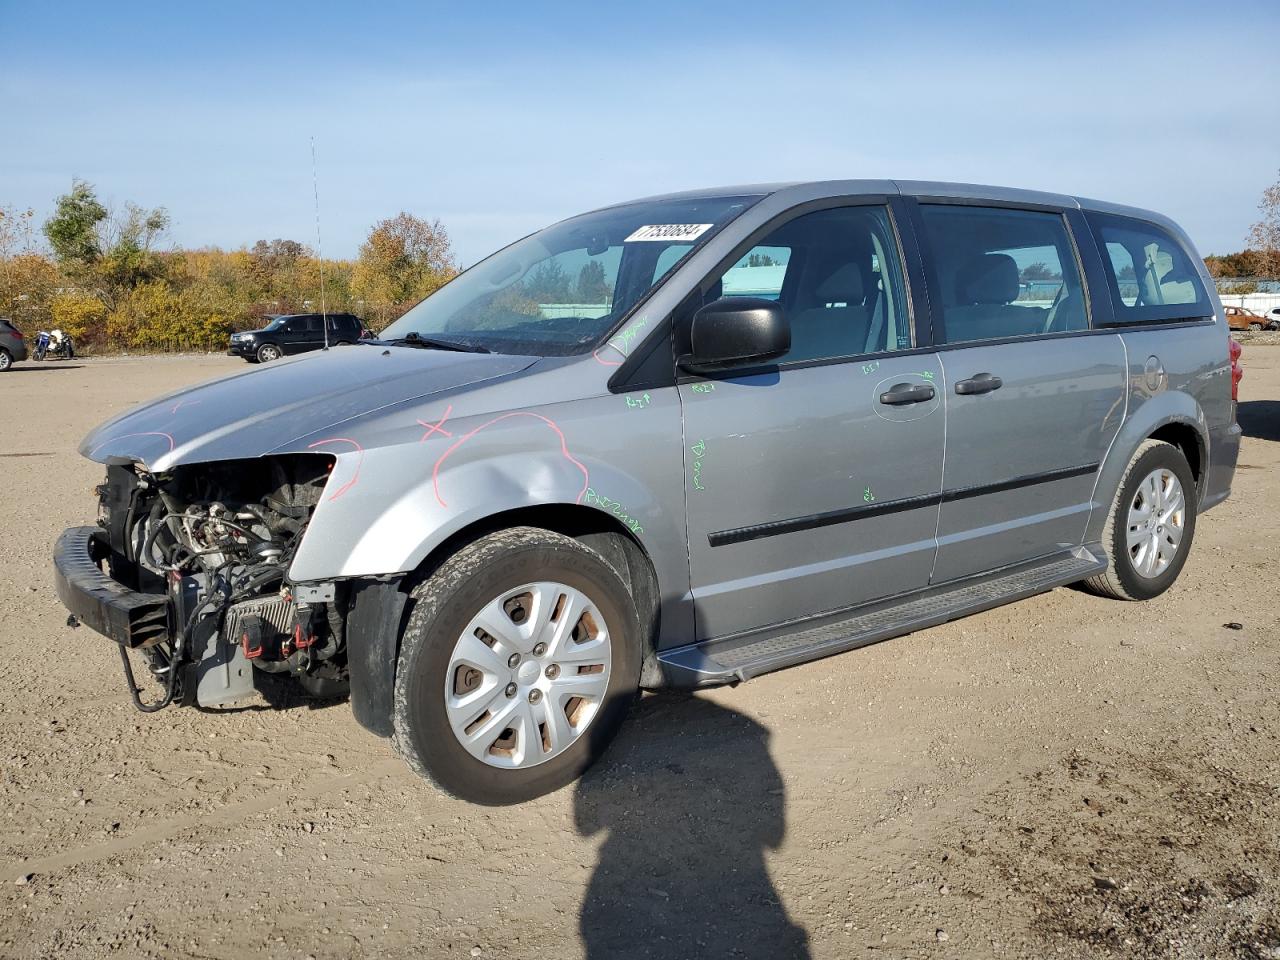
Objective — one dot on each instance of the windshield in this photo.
(560, 290)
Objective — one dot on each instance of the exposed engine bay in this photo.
(217, 539)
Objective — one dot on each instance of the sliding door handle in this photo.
(978, 383)
(901, 393)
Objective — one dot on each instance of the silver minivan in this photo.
(677, 442)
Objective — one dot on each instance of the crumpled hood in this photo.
(265, 408)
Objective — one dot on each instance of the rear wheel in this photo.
(6, 360)
(268, 352)
(1150, 527)
(517, 666)
(1255, 327)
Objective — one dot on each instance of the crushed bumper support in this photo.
(130, 618)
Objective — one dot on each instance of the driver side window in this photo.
(838, 274)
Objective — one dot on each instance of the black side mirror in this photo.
(735, 331)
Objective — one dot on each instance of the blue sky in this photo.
(501, 117)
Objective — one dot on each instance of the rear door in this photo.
(301, 333)
(812, 484)
(1033, 395)
(343, 328)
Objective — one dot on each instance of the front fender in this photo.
(385, 510)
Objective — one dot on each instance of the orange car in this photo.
(1238, 318)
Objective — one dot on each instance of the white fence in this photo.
(1257, 302)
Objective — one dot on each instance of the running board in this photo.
(745, 656)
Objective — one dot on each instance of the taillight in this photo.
(1237, 371)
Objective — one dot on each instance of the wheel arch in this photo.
(1173, 418)
(381, 607)
(1194, 446)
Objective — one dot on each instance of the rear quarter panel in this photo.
(1194, 389)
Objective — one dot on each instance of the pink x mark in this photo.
(438, 426)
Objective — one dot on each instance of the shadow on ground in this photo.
(690, 801)
(42, 367)
(1260, 419)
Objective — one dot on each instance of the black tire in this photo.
(6, 360)
(250, 359)
(1121, 580)
(446, 602)
(343, 343)
(268, 352)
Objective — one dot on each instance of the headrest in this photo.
(987, 278)
(843, 286)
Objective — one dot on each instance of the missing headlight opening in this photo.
(216, 540)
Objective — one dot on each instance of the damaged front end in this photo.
(189, 568)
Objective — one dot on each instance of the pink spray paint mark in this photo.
(180, 404)
(126, 436)
(607, 363)
(564, 450)
(438, 426)
(359, 462)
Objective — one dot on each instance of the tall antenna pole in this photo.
(315, 186)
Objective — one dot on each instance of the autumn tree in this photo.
(1243, 264)
(1264, 236)
(404, 259)
(27, 279)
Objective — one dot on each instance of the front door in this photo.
(814, 484)
(1033, 399)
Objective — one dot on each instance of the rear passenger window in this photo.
(1003, 273)
(1152, 277)
(839, 276)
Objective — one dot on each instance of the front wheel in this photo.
(1150, 527)
(519, 661)
(268, 352)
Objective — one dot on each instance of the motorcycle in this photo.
(55, 343)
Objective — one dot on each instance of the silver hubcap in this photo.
(269, 353)
(1157, 520)
(4, 360)
(528, 675)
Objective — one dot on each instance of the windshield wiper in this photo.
(415, 339)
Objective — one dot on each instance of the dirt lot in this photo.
(1066, 776)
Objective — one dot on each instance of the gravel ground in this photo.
(1066, 776)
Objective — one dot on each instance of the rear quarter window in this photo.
(1152, 277)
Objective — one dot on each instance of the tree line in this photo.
(108, 278)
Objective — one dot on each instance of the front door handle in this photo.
(901, 393)
(978, 383)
